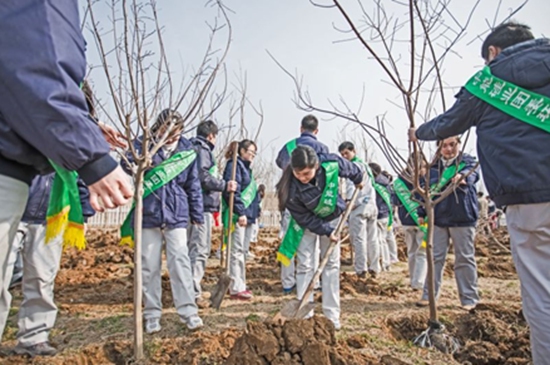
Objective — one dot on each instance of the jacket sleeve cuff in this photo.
(94, 171)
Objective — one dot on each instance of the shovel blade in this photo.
(292, 309)
(220, 290)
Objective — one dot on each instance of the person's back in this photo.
(308, 137)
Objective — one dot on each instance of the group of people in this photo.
(45, 123)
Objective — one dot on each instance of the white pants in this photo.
(330, 277)
(179, 267)
(529, 227)
(364, 237)
(38, 311)
(237, 259)
(288, 273)
(200, 243)
(13, 198)
(249, 237)
(416, 256)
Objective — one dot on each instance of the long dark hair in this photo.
(303, 157)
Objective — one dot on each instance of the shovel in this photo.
(300, 308)
(225, 280)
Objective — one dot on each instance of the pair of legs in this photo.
(465, 268)
(330, 278)
(179, 267)
(364, 238)
(416, 256)
(388, 247)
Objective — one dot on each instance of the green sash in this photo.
(405, 196)
(520, 103)
(326, 206)
(247, 196)
(64, 214)
(291, 146)
(154, 179)
(380, 189)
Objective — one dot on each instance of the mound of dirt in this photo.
(296, 342)
(351, 284)
(407, 327)
(503, 268)
(493, 334)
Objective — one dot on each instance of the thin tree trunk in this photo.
(138, 220)
(429, 256)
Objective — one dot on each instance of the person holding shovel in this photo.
(362, 221)
(456, 219)
(246, 210)
(309, 127)
(200, 236)
(175, 202)
(309, 189)
(509, 103)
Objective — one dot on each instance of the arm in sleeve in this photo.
(470, 165)
(238, 205)
(208, 182)
(459, 118)
(307, 219)
(283, 159)
(84, 193)
(192, 187)
(45, 73)
(349, 170)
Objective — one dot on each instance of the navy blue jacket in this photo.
(404, 216)
(43, 112)
(383, 209)
(39, 198)
(305, 139)
(176, 203)
(460, 208)
(243, 178)
(512, 154)
(212, 186)
(304, 198)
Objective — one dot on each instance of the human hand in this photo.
(333, 237)
(231, 186)
(420, 220)
(457, 178)
(114, 190)
(112, 136)
(242, 221)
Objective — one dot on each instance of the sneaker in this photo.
(287, 291)
(362, 275)
(469, 307)
(152, 325)
(40, 349)
(373, 274)
(337, 325)
(422, 303)
(244, 295)
(193, 322)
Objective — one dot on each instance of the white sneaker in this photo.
(337, 325)
(152, 326)
(193, 322)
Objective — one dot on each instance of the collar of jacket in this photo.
(520, 47)
(309, 135)
(205, 142)
(245, 163)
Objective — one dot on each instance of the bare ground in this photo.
(94, 326)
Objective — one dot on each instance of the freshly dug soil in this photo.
(296, 342)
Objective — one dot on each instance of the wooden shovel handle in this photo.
(231, 203)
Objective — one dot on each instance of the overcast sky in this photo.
(302, 37)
